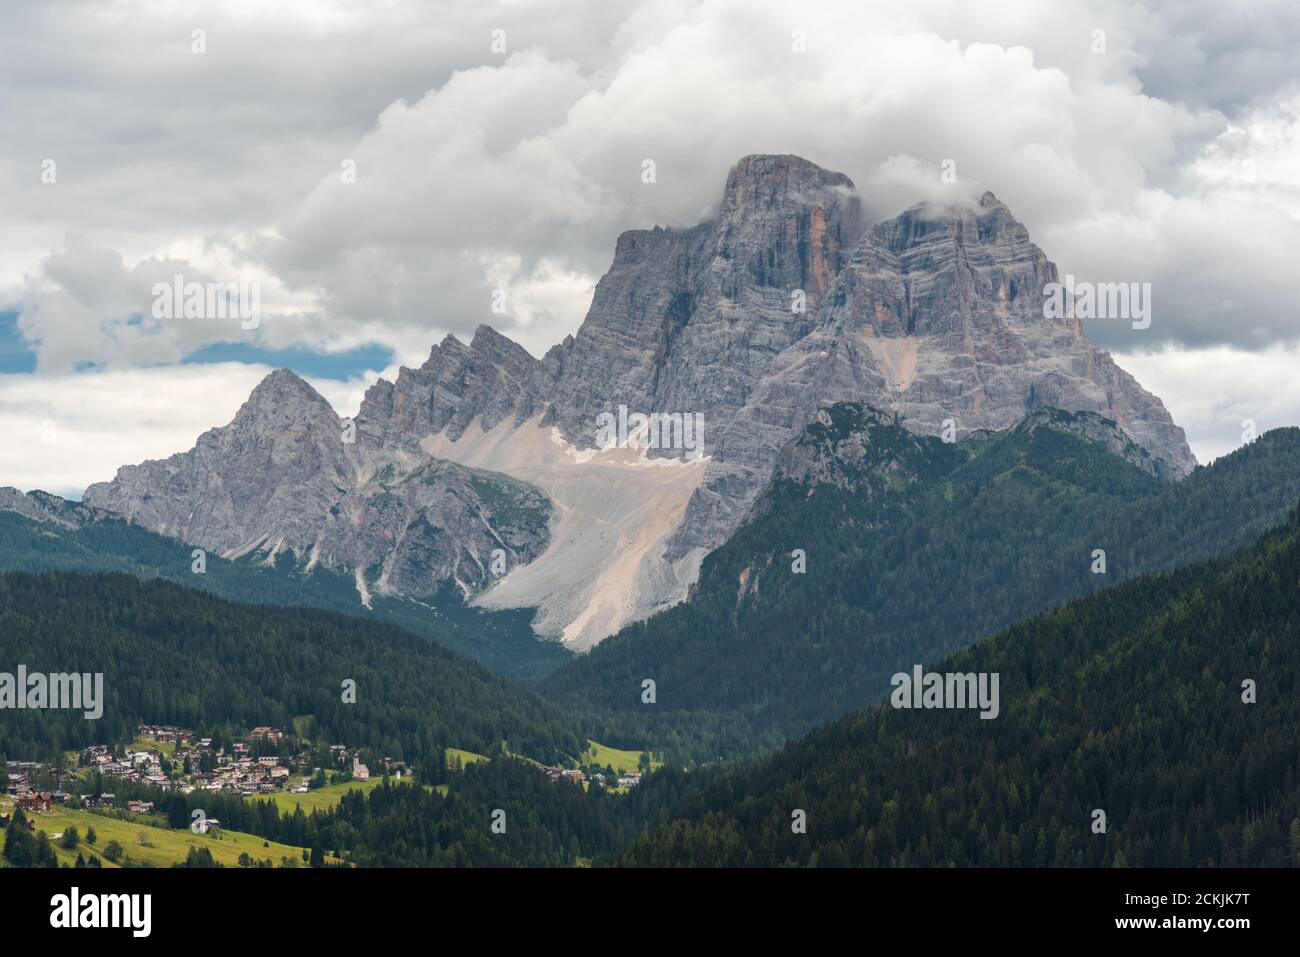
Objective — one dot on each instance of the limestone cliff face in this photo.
(688, 320)
(283, 478)
(488, 380)
(782, 303)
(937, 317)
(44, 507)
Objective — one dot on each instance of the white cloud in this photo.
(1212, 392)
(1169, 158)
(64, 432)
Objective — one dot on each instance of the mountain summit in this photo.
(748, 323)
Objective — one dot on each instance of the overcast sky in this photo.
(1138, 142)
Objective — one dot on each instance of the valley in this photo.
(481, 624)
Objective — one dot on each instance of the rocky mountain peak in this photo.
(284, 384)
(490, 379)
(45, 507)
(754, 319)
(990, 223)
(763, 181)
(284, 401)
(787, 223)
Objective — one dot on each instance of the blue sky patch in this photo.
(305, 362)
(15, 355)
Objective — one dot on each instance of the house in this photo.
(139, 807)
(35, 801)
(162, 732)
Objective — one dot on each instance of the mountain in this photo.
(936, 318)
(89, 543)
(1133, 702)
(283, 477)
(741, 326)
(910, 548)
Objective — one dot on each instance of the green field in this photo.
(321, 798)
(466, 757)
(145, 744)
(620, 761)
(165, 846)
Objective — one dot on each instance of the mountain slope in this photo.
(913, 548)
(286, 476)
(755, 318)
(937, 318)
(1129, 702)
(41, 532)
(179, 656)
(747, 323)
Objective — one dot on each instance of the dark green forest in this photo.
(179, 656)
(917, 550)
(1130, 701)
(502, 641)
(175, 655)
(1120, 692)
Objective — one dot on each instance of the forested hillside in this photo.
(501, 641)
(1132, 702)
(180, 656)
(913, 548)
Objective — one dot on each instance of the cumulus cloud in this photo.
(494, 170)
(64, 432)
(1220, 394)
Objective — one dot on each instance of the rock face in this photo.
(282, 477)
(938, 318)
(44, 507)
(753, 320)
(489, 380)
(690, 320)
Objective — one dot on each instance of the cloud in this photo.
(64, 432)
(1166, 153)
(1215, 392)
(1217, 254)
